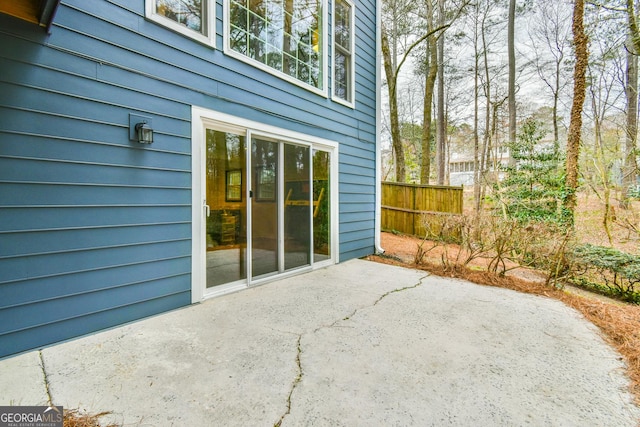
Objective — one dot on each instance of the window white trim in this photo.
(208, 36)
(352, 66)
(325, 56)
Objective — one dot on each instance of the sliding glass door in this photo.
(265, 230)
(297, 206)
(226, 212)
(321, 205)
(267, 207)
(280, 206)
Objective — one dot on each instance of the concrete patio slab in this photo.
(358, 343)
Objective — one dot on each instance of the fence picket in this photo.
(404, 205)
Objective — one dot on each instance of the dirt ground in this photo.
(618, 322)
(590, 219)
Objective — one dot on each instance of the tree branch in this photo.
(414, 45)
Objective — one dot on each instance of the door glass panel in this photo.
(264, 207)
(321, 206)
(297, 206)
(226, 224)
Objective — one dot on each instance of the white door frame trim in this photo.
(201, 119)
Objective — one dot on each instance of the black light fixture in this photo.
(140, 129)
(144, 133)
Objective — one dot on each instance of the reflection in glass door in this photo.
(281, 207)
(297, 206)
(226, 225)
(321, 206)
(264, 207)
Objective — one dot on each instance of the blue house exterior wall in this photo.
(95, 230)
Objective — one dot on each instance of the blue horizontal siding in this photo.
(357, 189)
(365, 162)
(32, 289)
(356, 226)
(42, 194)
(34, 218)
(361, 216)
(80, 305)
(41, 100)
(47, 170)
(50, 147)
(95, 230)
(150, 55)
(355, 235)
(64, 329)
(56, 264)
(358, 248)
(42, 242)
(39, 123)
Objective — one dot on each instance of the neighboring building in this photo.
(462, 166)
(263, 161)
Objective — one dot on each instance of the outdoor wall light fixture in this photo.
(144, 133)
(140, 129)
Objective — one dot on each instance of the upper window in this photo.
(343, 47)
(189, 17)
(282, 35)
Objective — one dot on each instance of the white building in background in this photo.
(462, 166)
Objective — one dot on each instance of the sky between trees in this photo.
(474, 70)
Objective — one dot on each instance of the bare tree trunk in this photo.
(512, 74)
(286, 37)
(476, 119)
(494, 160)
(398, 149)
(425, 164)
(556, 98)
(441, 130)
(600, 164)
(486, 142)
(432, 61)
(575, 127)
(630, 168)
(633, 25)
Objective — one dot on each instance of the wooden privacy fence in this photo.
(404, 206)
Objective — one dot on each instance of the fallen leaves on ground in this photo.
(75, 418)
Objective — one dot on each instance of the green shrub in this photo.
(634, 191)
(607, 269)
(533, 189)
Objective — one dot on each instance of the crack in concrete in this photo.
(47, 388)
(296, 381)
(298, 378)
(406, 288)
(383, 296)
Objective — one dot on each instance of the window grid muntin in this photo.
(343, 76)
(307, 70)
